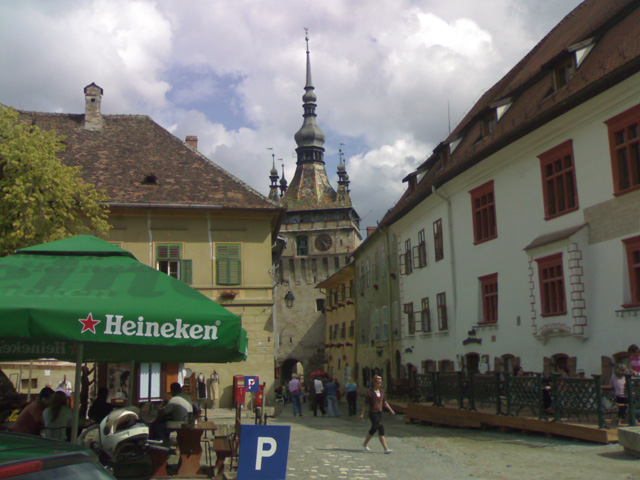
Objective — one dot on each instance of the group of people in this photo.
(375, 402)
(49, 415)
(618, 381)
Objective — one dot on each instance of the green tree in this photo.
(41, 199)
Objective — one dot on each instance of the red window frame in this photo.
(411, 323)
(438, 239)
(425, 315)
(624, 149)
(632, 247)
(489, 289)
(559, 186)
(484, 213)
(441, 301)
(552, 293)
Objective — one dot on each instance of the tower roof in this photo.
(310, 188)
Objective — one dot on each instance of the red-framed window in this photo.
(438, 239)
(441, 300)
(425, 316)
(559, 180)
(420, 252)
(489, 289)
(483, 209)
(624, 147)
(551, 276)
(632, 247)
(411, 323)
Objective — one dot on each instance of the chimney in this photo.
(192, 141)
(92, 114)
(370, 230)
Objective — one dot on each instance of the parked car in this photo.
(27, 457)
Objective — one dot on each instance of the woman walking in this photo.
(375, 399)
(295, 390)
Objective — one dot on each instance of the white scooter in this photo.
(121, 441)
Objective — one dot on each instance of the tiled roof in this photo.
(125, 156)
(614, 57)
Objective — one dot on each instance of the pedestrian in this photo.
(295, 391)
(351, 391)
(634, 359)
(318, 388)
(376, 400)
(85, 383)
(331, 392)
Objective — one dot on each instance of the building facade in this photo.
(180, 213)
(518, 238)
(321, 230)
(340, 337)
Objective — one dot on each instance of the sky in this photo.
(391, 76)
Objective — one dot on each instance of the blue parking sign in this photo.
(251, 384)
(263, 452)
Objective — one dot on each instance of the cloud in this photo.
(388, 74)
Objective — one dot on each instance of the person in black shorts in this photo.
(375, 399)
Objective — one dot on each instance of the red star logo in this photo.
(88, 324)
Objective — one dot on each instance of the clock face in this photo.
(323, 242)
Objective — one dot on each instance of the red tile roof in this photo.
(615, 56)
(130, 149)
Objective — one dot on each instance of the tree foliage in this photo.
(41, 199)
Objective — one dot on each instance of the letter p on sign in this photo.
(263, 452)
(266, 448)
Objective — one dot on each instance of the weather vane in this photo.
(306, 37)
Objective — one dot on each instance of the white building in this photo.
(519, 237)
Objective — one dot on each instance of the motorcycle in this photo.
(121, 442)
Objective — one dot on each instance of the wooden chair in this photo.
(228, 446)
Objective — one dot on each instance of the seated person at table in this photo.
(30, 418)
(57, 417)
(177, 409)
(100, 408)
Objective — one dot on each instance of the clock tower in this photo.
(322, 230)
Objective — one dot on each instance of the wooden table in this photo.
(188, 437)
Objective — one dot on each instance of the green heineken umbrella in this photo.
(85, 294)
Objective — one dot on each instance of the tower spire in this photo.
(273, 176)
(310, 138)
(283, 182)
(343, 181)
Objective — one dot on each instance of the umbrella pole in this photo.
(76, 394)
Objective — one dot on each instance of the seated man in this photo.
(30, 418)
(177, 409)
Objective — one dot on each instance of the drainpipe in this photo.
(452, 258)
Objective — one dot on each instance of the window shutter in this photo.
(168, 252)
(228, 264)
(186, 271)
(571, 365)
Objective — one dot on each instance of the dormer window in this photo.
(488, 123)
(564, 72)
(453, 145)
(150, 180)
(581, 50)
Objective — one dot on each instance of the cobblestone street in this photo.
(331, 448)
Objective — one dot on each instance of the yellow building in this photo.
(340, 336)
(180, 213)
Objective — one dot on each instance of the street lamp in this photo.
(288, 299)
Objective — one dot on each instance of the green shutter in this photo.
(186, 271)
(168, 252)
(228, 264)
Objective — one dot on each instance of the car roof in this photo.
(17, 447)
